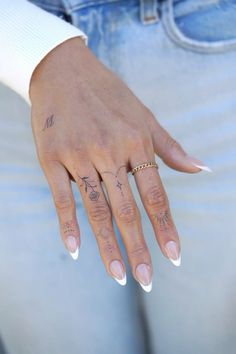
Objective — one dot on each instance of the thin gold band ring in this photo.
(143, 165)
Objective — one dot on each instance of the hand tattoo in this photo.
(49, 122)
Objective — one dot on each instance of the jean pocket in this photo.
(54, 6)
(206, 26)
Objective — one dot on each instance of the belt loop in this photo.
(149, 11)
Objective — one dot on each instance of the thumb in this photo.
(172, 153)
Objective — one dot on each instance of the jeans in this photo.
(179, 58)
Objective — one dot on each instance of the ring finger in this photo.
(99, 215)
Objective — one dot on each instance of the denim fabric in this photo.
(182, 66)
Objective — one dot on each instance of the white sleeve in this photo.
(27, 35)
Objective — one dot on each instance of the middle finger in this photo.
(127, 217)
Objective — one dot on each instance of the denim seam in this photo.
(71, 8)
(185, 8)
(179, 38)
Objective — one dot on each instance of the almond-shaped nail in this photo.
(144, 276)
(173, 253)
(72, 246)
(199, 164)
(118, 272)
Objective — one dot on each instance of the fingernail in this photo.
(172, 251)
(72, 246)
(197, 163)
(144, 275)
(118, 272)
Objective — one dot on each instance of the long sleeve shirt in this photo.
(27, 35)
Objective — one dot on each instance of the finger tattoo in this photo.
(163, 219)
(69, 227)
(89, 186)
(118, 183)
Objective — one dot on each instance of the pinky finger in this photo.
(60, 185)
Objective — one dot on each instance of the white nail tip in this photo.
(75, 254)
(176, 262)
(146, 288)
(121, 281)
(203, 167)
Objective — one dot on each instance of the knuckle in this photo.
(102, 146)
(136, 139)
(46, 157)
(150, 117)
(99, 212)
(155, 197)
(127, 212)
(104, 233)
(172, 144)
(138, 250)
(81, 152)
(64, 202)
(48, 151)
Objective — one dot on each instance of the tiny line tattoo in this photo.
(93, 195)
(163, 220)
(49, 122)
(117, 172)
(69, 227)
(118, 183)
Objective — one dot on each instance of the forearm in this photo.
(27, 35)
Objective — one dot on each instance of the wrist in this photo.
(55, 63)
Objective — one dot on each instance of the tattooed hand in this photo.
(89, 127)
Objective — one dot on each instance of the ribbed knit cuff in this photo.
(27, 35)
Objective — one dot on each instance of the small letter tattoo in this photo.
(49, 122)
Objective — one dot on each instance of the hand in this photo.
(89, 127)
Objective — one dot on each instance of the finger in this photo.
(60, 186)
(171, 152)
(128, 221)
(156, 204)
(99, 216)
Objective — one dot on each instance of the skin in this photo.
(89, 127)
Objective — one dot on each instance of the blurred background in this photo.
(50, 304)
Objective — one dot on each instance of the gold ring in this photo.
(142, 166)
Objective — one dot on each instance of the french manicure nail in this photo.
(199, 164)
(144, 276)
(72, 246)
(118, 272)
(172, 251)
